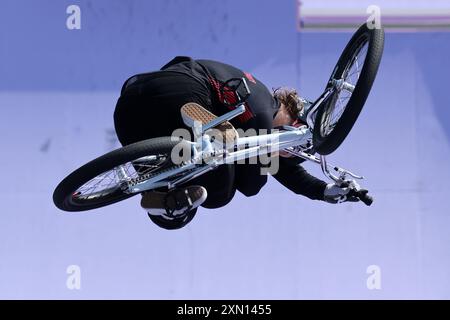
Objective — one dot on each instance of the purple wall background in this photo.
(57, 93)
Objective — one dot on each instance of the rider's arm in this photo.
(294, 177)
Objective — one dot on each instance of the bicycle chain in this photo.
(135, 181)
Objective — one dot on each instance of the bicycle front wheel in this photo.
(352, 77)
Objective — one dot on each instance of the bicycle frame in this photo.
(163, 164)
(207, 155)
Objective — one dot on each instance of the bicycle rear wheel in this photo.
(104, 180)
(352, 78)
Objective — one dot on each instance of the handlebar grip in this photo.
(366, 199)
(362, 195)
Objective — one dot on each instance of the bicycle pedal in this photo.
(193, 112)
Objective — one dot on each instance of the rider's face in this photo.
(282, 118)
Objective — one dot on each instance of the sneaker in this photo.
(174, 203)
(192, 112)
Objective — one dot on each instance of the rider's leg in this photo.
(220, 182)
(220, 186)
(149, 108)
(217, 189)
(249, 179)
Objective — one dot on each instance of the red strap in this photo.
(228, 95)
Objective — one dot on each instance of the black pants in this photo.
(150, 106)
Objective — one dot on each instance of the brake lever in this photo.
(343, 172)
(341, 181)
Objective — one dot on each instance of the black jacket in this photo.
(260, 110)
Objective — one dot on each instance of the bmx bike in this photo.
(150, 165)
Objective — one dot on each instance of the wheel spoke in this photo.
(109, 181)
(350, 77)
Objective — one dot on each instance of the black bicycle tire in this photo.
(328, 144)
(65, 189)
